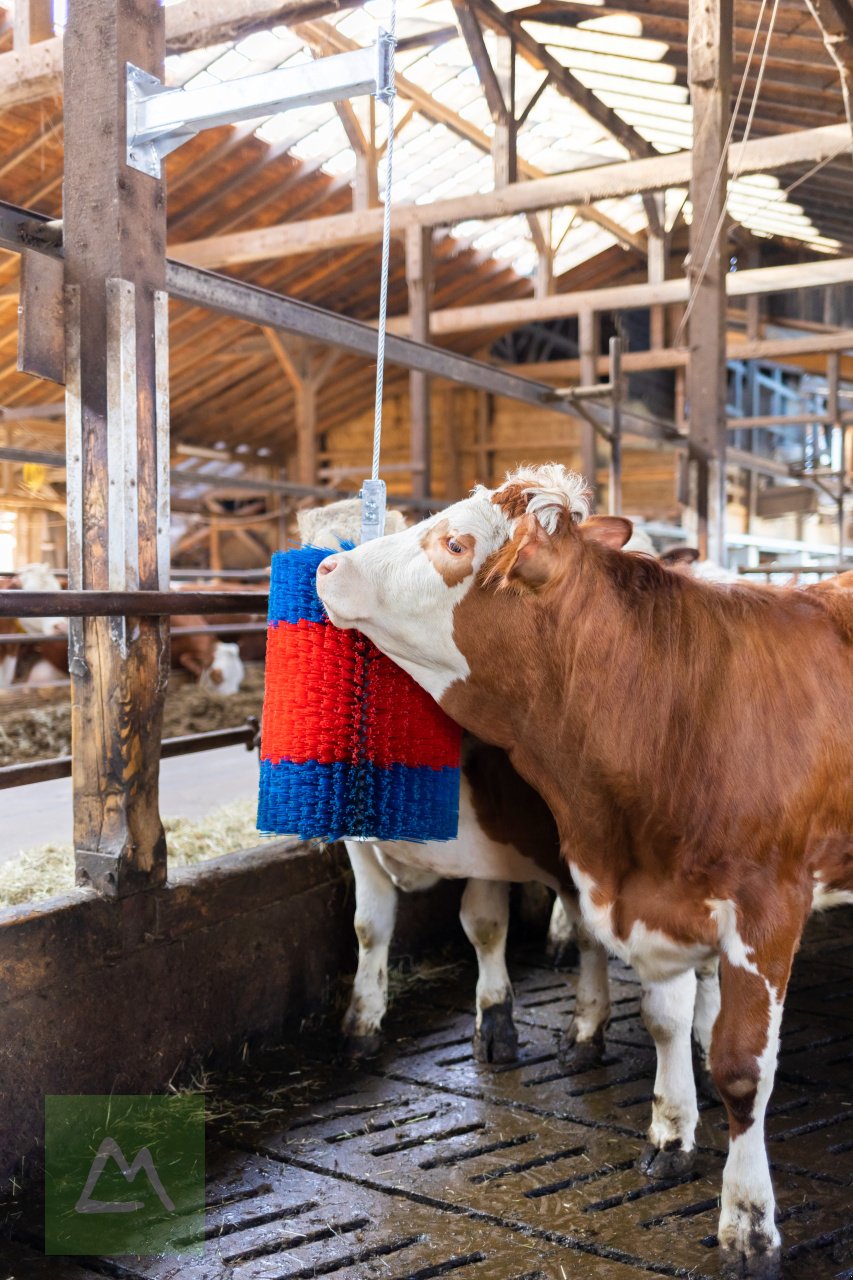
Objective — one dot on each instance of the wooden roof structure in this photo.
(229, 381)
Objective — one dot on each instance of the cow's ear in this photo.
(610, 531)
(528, 559)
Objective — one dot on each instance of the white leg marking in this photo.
(747, 1205)
(667, 1009)
(7, 670)
(592, 1001)
(375, 911)
(561, 929)
(485, 918)
(707, 1005)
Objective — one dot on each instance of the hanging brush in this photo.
(350, 744)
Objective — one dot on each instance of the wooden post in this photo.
(710, 72)
(418, 279)
(485, 453)
(306, 366)
(504, 151)
(658, 250)
(588, 335)
(33, 22)
(117, 446)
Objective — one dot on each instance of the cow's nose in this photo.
(326, 566)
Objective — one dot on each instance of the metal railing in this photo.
(82, 604)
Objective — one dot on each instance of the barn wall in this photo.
(462, 419)
(102, 996)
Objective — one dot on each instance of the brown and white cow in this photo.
(506, 835)
(693, 741)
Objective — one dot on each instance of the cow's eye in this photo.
(455, 548)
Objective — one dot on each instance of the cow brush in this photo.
(350, 744)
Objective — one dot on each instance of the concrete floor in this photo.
(190, 787)
(425, 1164)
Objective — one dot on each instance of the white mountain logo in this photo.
(109, 1149)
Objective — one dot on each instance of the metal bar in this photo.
(127, 604)
(231, 628)
(19, 775)
(795, 568)
(262, 307)
(177, 478)
(160, 119)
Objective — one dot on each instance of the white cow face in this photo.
(401, 590)
(225, 674)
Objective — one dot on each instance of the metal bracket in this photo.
(160, 119)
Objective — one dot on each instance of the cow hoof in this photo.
(580, 1055)
(764, 1264)
(359, 1048)
(496, 1039)
(660, 1163)
(563, 955)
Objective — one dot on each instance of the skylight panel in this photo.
(342, 161)
(580, 62)
(586, 40)
(230, 66)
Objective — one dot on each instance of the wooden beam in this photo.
(629, 297)
(33, 22)
(786, 350)
(658, 253)
(564, 80)
(27, 74)
(472, 34)
(365, 191)
(710, 37)
(117, 429)
(601, 182)
(306, 366)
(433, 109)
(418, 280)
(835, 21)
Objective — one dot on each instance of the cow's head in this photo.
(404, 591)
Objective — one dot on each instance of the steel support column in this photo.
(117, 445)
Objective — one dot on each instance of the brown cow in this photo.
(694, 742)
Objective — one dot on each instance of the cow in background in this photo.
(215, 664)
(693, 742)
(46, 661)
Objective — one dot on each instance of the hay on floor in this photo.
(42, 872)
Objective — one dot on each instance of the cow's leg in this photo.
(744, 1045)
(667, 1010)
(582, 1043)
(704, 1016)
(7, 669)
(561, 948)
(375, 912)
(485, 918)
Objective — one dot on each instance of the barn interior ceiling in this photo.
(227, 384)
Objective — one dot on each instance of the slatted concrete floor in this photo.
(425, 1164)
